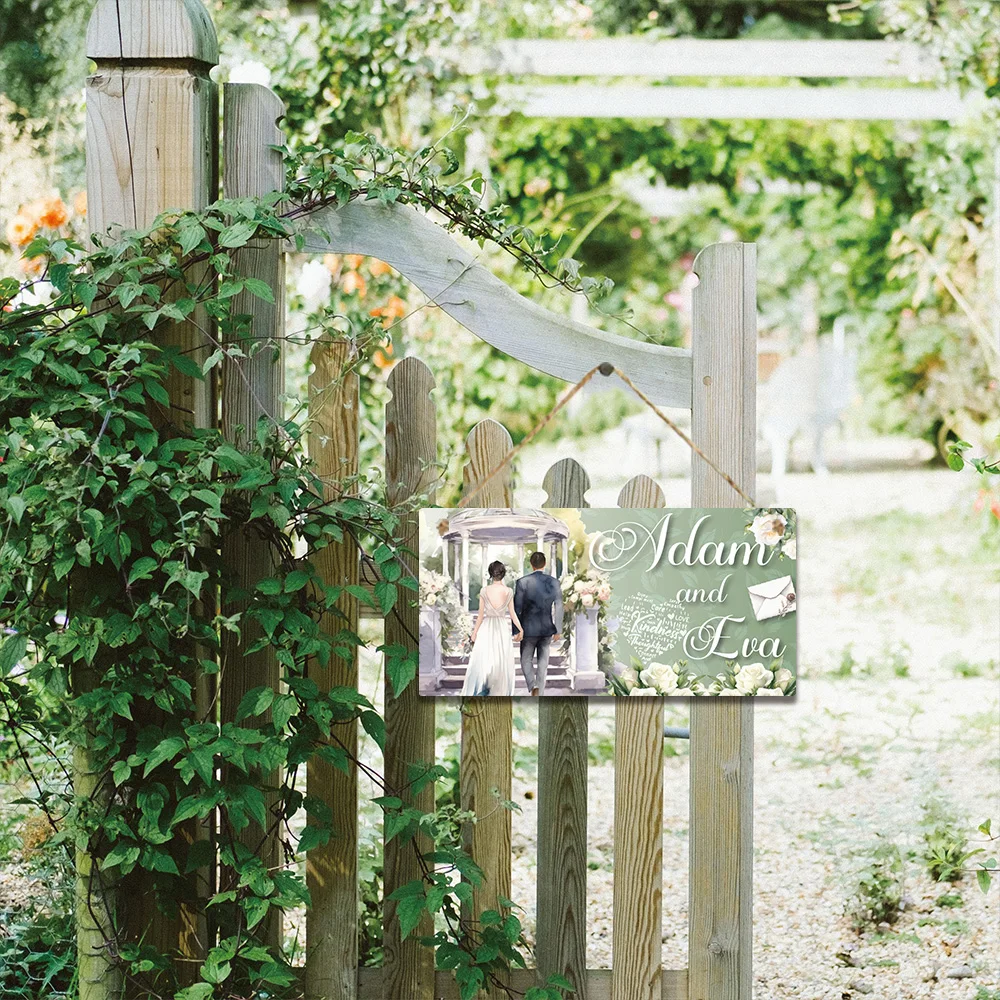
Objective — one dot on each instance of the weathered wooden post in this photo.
(251, 389)
(410, 470)
(724, 347)
(332, 868)
(152, 145)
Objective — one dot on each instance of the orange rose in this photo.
(354, 260)
(53, 213)
(395, 307)
(353, 282)
(20, 230)
(80, 203)
(331, 261)
(378, 267)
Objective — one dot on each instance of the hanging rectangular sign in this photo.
(679, 602)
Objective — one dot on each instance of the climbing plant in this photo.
(114, 513)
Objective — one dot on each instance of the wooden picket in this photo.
(332, 869)
(561, 894)
(487, 743)
(152, 64)
(252, 388)
(410, 470)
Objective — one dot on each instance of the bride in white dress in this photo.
(491, 664)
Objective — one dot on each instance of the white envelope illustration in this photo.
(773, 598)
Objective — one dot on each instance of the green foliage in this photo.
(878, 895)
(115, 599)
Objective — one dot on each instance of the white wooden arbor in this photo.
(152, 144)
(519, 527)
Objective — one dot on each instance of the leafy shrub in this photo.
(878, 896)
(945, 851)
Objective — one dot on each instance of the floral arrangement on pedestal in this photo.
(754, 679)
(439, 592)
(583, 592)
(773, 528)
(655, 679)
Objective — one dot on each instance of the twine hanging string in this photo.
(606, 369)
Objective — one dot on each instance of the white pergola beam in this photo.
(581, 100)
(686, 57)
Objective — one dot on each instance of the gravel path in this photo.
(886, 568)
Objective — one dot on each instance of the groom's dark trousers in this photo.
(538, 606)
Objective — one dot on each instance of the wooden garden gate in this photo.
(152, 144)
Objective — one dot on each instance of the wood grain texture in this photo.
(152, 29)
(637, 914)
(447, 274)
(662, 58)
(561, 887)
(641, 491)
(251, 389)
(721, 770)
(152, 145)
(332, 870)
(673, 984)
(485, 776)
(566, 484)
(411, 471)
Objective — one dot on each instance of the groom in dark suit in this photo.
(539, 607)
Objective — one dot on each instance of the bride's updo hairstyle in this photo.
(497, 570)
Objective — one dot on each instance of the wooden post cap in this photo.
(152, 30)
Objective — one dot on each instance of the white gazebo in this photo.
(520, 526)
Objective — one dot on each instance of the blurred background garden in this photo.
(879, 327)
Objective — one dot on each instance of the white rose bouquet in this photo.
(753, 680)
(582, 591)
(437, 591)
(671, 680)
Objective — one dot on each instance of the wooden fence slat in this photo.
(561, 888)
(332, 869)
(251, 388)
(410, 457)
(637, 914)
(487, 722)
(721, 828)
(151, 145)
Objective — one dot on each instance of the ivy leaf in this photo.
(142, 569)
(236, 235)
(165, 750)
(11, 653)
(375, 727)
(255, 702)
(385, 594)
(259, 288)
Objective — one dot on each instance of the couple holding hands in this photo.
(535, 608)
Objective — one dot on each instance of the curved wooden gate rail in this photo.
(153, 58)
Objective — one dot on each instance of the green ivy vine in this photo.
(114, 598)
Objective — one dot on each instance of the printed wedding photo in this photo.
(681, 603)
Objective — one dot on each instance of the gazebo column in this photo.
(540, 541)
(484, 549)
(552, 559)
(565, 556)
(444, 557)
(465, 570)
(520, 558)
